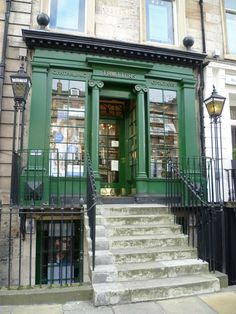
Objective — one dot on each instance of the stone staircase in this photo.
(142, 255)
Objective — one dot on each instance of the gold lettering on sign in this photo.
(69, 73)
(164, 83)
(119, 74)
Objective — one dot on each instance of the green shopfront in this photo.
(129, 106)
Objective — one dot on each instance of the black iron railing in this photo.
(47, 178)
(91, 206)
(231, 189)
(41, 247)
(42, 234)
(192, 195)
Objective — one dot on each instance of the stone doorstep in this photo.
(133, 211)
(142, 229)
(46, 295)
(103, 257)
(158, 289)
(152, 254)
(148, 241)
(130, 206)
(148, 270)
(165, 269)
(137, 255)
(137, 219)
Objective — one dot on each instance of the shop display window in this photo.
(163, 130)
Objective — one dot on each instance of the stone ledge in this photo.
(45, 294)
(223, 279)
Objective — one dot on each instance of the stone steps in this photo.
(151, 270)
(147, 229)
(133, 209)
(155, 289)
(118, 220)
(148, 241)
(135, 255)
(142, 255)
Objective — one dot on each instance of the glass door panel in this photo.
(109, 157)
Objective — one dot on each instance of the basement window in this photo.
(58, 252)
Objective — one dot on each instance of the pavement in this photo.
(222, 302)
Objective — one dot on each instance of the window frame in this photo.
(156, 120)
(226, 10)
(89, 23)
(68, 99)
(179, 28)
(55, 17)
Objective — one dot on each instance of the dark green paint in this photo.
(119, 77)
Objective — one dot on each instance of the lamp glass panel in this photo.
(210, 108)
(20, 87)
(19, 90)
(215, 107)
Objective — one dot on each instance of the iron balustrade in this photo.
(49, 251)
(231, 180)
(47, 178)
(91, 206)
(192, 195)
(46, 218)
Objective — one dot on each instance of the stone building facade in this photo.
(121, 21)
(115, 55)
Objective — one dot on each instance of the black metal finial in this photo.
(43, 20)
(188, 42)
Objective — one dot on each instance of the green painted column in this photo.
(141, 174)
(39, 105)
(188, 120)
(94, 134)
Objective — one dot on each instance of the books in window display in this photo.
(156, 119)
(60, 273)
(155, 130)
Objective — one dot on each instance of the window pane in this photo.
(160, 21)
(60, 256)
(67, 127)
(67, 16)
(230, 4)
(163, 130)
(231, 26)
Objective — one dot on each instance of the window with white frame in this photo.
(67, 15)
(230, 12)
(160, 21)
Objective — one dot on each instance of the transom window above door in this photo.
(68, 15)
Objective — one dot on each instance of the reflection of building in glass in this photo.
(67, 127)
(60, 255)
(163, 129)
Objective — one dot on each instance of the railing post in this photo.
(91, 206)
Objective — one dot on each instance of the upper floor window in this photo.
(69, 15)
(230, 7)
(160, 21)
